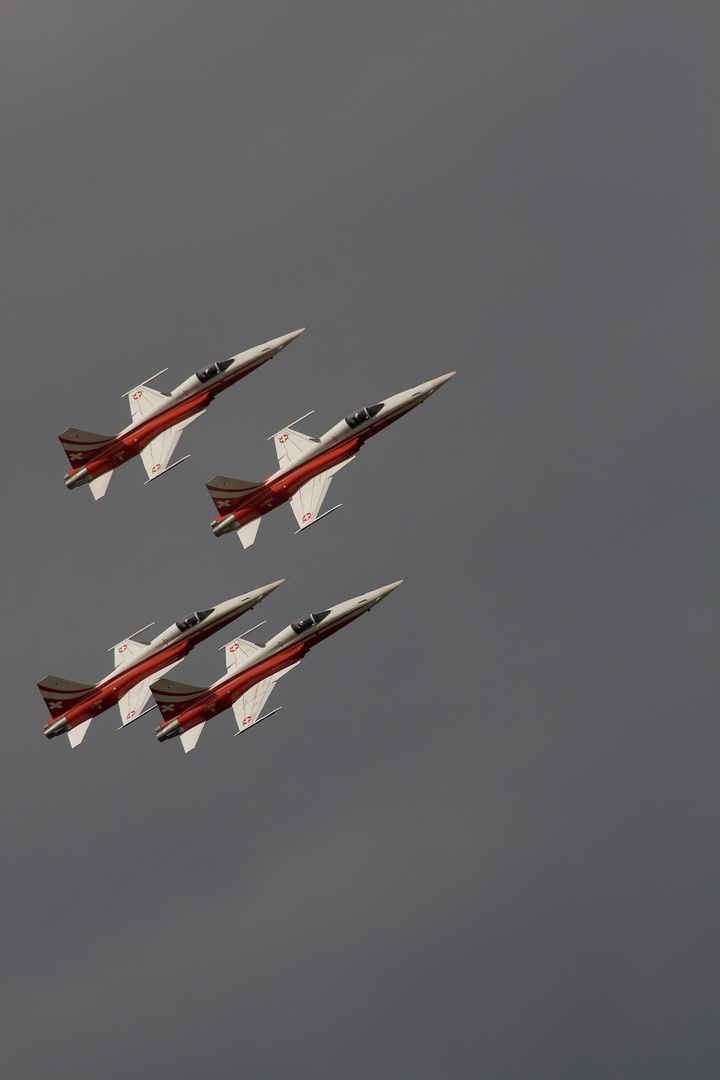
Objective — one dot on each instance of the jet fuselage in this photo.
(285, 649)
(165, 650)
(187, 400)
(336, 446)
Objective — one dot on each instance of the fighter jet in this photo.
(252, 671)
(158, 420)
(307, 466)
(73, 705)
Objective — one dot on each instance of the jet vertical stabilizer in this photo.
(61, 694)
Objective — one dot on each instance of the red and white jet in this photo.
(158, 420)
(307, 466)
(252, 671)
(73, 705)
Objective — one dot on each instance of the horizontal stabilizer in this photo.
(227, 493)
(61, 694)
(189, 738)
(99, 485)
(77, 734)
(82, 446)
(174, 698)
(247, 534)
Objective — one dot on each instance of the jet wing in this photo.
(133, 703)
(127, 649)
(306, 502)
(238, 651)
(290, 445)
(157, 454)
(247, 709)
(143, 399)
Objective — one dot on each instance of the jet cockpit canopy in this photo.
(214, 369)
(312, 620)
(363, 414)
(194, 619)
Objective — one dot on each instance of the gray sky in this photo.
(480, 838)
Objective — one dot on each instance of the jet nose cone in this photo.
(374, 597)
(285, 339)
(434, 384)
(264, 590)
(267, 589)
(247, 600)
(387, 589)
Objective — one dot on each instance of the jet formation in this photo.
(252, 671)
(158, 420)
(73, 705)
(307, 466)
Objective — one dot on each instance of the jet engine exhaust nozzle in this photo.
(76, 478)
(56, 727)
(224, 525)
(168, 730)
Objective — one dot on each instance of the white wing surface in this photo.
(290, 445)
(247, 533)
(100, 485)
(77, 734)
(238, 651)
(127, 649)
(133, 703)
(189, 738)
(143, 399)
(247, 709)
(306, 502)
(157, 454)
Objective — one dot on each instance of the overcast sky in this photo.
(480, 839)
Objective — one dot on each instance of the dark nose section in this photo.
(168, 730)
(76, 478)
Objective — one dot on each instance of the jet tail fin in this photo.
(82, 446)
(61, 694)
(228, 493)
(173, 698)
